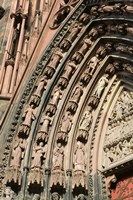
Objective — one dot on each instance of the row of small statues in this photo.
(115, 153)
(117, 8)
(10, 195)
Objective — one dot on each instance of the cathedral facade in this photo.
(66, 100)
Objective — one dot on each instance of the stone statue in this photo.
(55, 196)
(86, 44)
(17, 152)
(46, 122)
(55, 58)
(102, 83)
(36, 197)
(35, 99)
(67, 74)
(55, 97)
(8, 194)
(38, 155)
(53, 63)
(92, 64)
(89, 71)
(75, 98)
(79, 157)
(93, 34)
(58, 157)
(128, 9)
(109, 181)
(53, 103)
(108, 9)
(127, 67)
(81, 197)
(66, 125)
(28, 117)
(85, 123)
(74, 30)
(77, 93)
(69, 70)
(84, 18)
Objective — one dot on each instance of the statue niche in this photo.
(36, 174)
(28, 116)
(75, 98)
(53, 63)
(58, 174)
(66, 125)
(73, 32)
(46, 123)
(101, 85)
(79, 163)
(85, 124)
(55, 98)
(14, 173)
(40, 87)
(67, 74)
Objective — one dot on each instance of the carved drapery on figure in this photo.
(36, 174)
(58, 174)
(79, 162)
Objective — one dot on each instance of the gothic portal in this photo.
(66, 100)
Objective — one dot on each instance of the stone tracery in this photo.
(74, 101)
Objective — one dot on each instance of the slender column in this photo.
(26, 7)
(24, 56)
(69, 184)
(8, 75)
(47, 177)
(8, 45)
(13, 82)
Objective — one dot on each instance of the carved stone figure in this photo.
(8, 194)
(79, 157)
(84, 18)
(86, 44)
(46, 122)
(54, 61)
(67, 74)
(102, 83)
(85, 124)
(74, 30)
(81, 197)
(93, 34)
(127, 67)
(36, 173)
(101, 52)
(36, 197)
(66, 125)
(38, 155)
(58, 157)
(17, 152)
(128, 9)
(109, 181)
(94, 11)
(89, 71)
(108, 9)
(75, 98)
(28, 117)
(35, 99)
(55, 97)
(55, 196)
